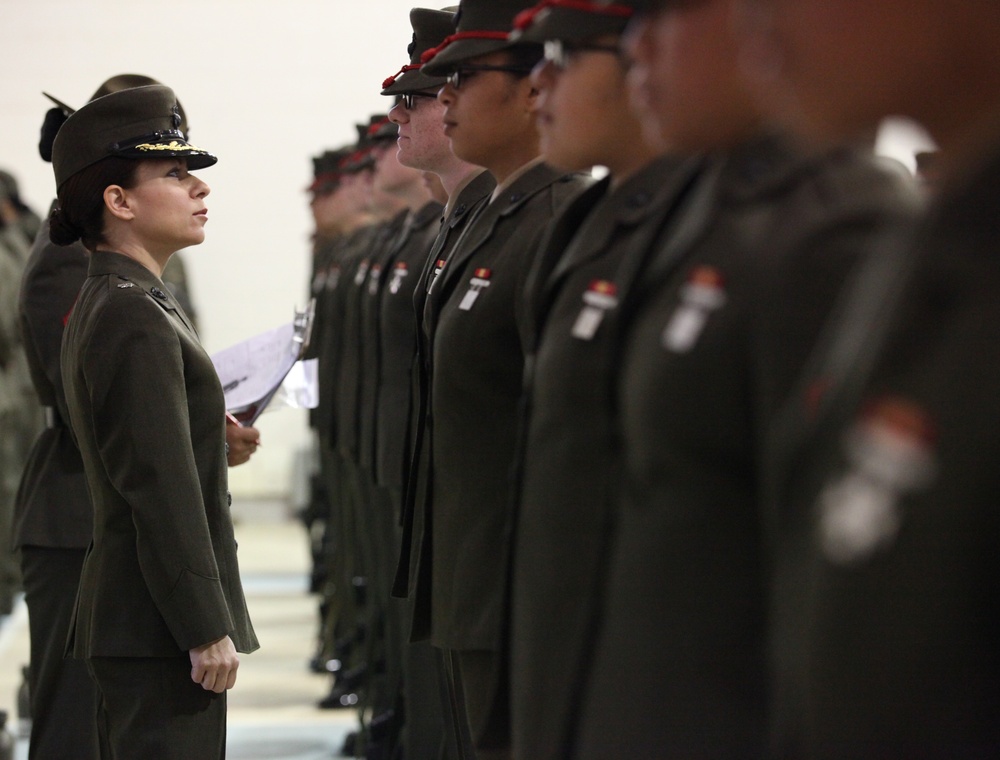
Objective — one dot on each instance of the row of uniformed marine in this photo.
(601, 532)
(685, 468)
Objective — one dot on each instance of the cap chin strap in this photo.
(392, 80)
(153, 137)
(458, 37)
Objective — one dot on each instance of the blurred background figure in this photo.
(13, 210)
(20, 412)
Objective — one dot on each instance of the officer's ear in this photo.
(116, 200)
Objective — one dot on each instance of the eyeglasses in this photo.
(459, 75)
(409, 99)
(560, 53)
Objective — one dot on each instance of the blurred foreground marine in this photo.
(886, 520)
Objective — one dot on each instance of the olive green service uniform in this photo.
(53, 523)
(371, 507)
(20, 413)
(343, 626)
(424, 719)
(161, 576)
(458, 579)
(398, 347)
(426, 673)
(568, 460)
(886, 602)
(715, 332)
(388, 348)
(319, 511)
(354, 482)
(467, 203)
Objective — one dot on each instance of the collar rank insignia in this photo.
(398, 275)
(890, 453)
(703, 293)
(158, 293)
(600, 298)
(126, 284)
(479, 282)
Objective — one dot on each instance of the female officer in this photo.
(53, 525)
(160, 611)
(889, 487)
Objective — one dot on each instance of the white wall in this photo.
(265, 85)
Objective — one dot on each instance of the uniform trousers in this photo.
(148, 707)
(476, 676)
(63, 698)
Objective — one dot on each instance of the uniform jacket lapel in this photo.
(480, 229)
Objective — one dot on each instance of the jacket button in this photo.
(229, 499)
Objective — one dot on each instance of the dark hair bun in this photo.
(61, 230)
(54, 118)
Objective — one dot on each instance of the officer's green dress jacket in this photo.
(372, 242)
(370, 339)
(715, 333)
(887, 637)
(148, 413)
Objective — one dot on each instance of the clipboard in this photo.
(252, 371)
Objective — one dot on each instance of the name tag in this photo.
(703, 294)
(398, 274)
(600, 298)
(479, 282)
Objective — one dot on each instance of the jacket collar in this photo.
(111, 263)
